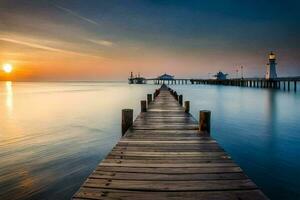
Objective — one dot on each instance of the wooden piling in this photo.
(143, 106)
(180, 99)
(127, 120)
(187, 106)
(176, 95)
(156, 93)
(149, 98)
(204, 122)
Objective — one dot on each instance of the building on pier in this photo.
(165, 77)
(136, 80)
(271, 67)
(221, 76)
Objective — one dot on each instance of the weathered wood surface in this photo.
(163, 156)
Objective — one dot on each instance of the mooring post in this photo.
(149, 98)
(156, 93)
(143, 106)
(127, 120)
(204, 122)
(176, 95)
(187, 106)
(180, 99)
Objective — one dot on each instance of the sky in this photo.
(106, 40)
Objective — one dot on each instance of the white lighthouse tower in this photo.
(271, 67)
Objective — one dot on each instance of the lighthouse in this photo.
(271, 67)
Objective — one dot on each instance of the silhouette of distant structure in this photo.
(166, 77)
(136, 80)
(271, 67)
(221, 76)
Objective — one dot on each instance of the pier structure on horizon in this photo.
(280, 83)
(284, 83)
(162, 79)
(165, 153)
(271, 80)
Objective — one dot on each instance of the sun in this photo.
(7, 68)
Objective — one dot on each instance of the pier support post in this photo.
(156, 93)
(176, 96)
(149, 98)
(187, 106)
(127, 120)
(143, 106)
(204, 122)
(180, 99)
(295, 86)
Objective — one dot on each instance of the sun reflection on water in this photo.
(9, 95)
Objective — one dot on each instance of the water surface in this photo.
(52, 135)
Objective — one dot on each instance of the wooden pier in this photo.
(283, 83)
(165, 154)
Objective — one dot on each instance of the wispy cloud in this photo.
(44, 47)
(77, 15)
(105, 43)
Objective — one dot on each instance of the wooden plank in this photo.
(170, 140)
(182, 153)
(104, 194)
(166, 177)
(166, 127)
(171, 185)
(163, 131)
(131, 141)
(177, 170)
(167, 148)
(171, 165)
(179, 124)
(169, 145)
(164, 138)
(167, 161)
(178, 158)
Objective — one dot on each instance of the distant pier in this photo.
(284, 83)
(271, 80)
(166, 154)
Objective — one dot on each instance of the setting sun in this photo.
(7, 68)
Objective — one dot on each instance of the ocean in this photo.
(53, 134)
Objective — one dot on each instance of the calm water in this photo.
(52, 135)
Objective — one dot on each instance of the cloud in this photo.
(44, 47)
(77, 15)
(105, 43)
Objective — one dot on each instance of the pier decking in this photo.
(163, 156)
